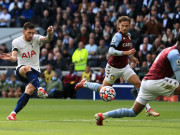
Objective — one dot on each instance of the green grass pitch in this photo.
(76, 117)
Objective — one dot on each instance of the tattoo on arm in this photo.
(47, 38)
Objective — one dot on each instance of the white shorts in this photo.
(150, 89)
(112, 74)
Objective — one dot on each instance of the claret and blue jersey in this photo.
(174, 58)
(120, 42)
(166, 64)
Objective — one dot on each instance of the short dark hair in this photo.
(124, 18)
(28, 25)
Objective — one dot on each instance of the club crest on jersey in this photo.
(114, 40)
(29, 54)
(112, 77)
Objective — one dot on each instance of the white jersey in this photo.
(28, 52)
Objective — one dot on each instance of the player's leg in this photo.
(134, 92)
(21, 75)
(25, 97)
(130, 76)
(26, 72)
(144, 96)
(111, 76)
(32, 77)
(91, 85)
(134, 79)
(22, 101)
(120, 113)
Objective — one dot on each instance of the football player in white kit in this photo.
(25, 50)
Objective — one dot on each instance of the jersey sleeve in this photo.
(116, 39)
(14, 45)
(174, 59)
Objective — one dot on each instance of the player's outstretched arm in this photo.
(7, 56)
(49, 36)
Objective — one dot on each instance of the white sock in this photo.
(13, 112)
(147, 107)
(105, 115)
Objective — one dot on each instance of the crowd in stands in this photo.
(83, 30)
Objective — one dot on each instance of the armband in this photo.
(15, 49)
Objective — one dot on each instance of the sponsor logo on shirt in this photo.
(29, 54)
(126, 44)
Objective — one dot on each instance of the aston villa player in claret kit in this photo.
(25, 50)
(117, 66)
(158, 81)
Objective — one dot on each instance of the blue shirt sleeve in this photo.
(174, 59)
(116, 39)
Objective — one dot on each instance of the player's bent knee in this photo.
(24, 69)
(27, 68)
(139, 105)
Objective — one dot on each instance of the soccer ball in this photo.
(107, 93)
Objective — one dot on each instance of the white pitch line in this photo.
(88, 120)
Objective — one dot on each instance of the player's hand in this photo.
(50, 30)
(131, 52)
(5, 56)
(135, 60)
